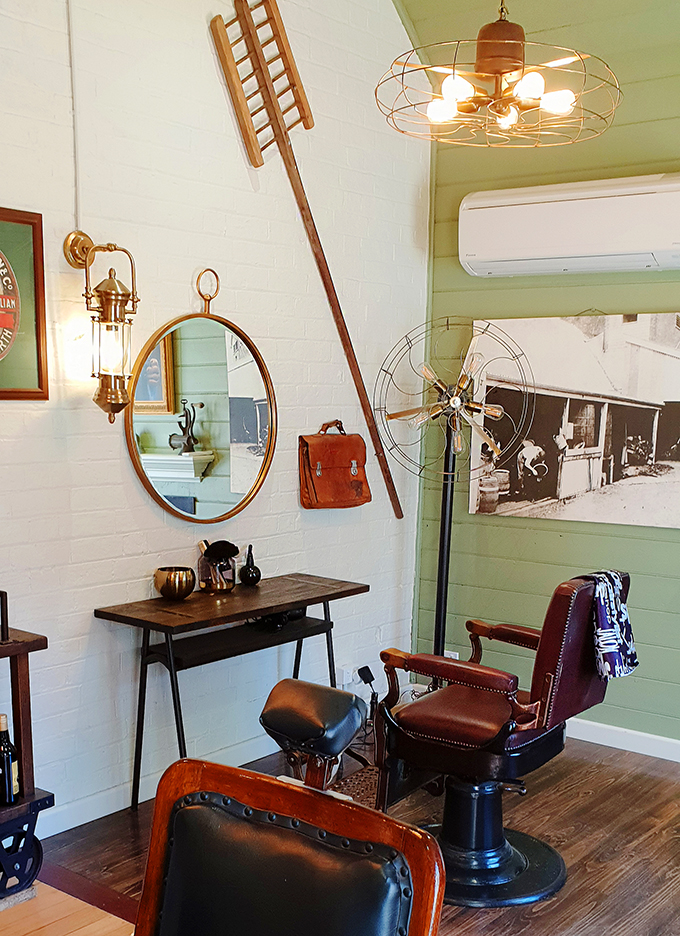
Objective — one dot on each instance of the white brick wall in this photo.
(163, 172)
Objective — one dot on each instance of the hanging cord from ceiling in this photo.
(74, 98)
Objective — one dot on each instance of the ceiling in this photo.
(637, 40)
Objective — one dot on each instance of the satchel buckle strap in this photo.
(353, 467)
(318, 469)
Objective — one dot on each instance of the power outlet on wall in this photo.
(343, 675)
(452, 654)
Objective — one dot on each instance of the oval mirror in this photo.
(201, 424)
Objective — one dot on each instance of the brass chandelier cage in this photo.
(499, 90)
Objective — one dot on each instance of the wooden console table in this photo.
(233, 625)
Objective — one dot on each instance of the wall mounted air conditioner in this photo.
(614, 225)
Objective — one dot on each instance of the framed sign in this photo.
(155, 390)
(23, 350)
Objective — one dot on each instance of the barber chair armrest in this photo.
(393, 659)
(459, 671)
(453, 671)
(516, 634)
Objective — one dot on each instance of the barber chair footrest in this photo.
(526, 871)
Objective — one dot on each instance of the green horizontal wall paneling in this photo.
(505, 569)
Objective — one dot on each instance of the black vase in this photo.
(249, 574)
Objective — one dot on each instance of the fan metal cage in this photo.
(505, 372)
(414, 81)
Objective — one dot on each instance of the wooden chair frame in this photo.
(268, 794)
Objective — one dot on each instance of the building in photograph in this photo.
(607, 404)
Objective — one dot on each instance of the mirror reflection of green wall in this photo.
(221, 379)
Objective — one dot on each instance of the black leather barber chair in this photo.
(313, 725)
(235, 852)
(483, 733)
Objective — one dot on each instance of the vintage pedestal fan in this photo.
(454, 399)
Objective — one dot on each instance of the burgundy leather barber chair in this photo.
(483, 733)
(237, 852)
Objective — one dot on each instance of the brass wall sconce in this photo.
(111, 359)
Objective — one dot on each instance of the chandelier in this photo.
(499, 90)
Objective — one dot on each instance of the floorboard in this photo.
(613, 815)
(54, 913)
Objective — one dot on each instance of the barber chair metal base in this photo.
(487, 865)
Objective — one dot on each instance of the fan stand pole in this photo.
(445, 526)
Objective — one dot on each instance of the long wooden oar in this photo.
(269, 100)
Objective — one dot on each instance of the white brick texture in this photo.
(163, 172)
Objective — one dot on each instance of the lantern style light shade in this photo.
(110, 301)
(499, 90)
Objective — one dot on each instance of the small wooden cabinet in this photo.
(20, 850)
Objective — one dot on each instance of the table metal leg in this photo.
(141, 702)
(298, 657)
(329, 644)
(174, 686)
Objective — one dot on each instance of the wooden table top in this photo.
(21, 642)
(200, 610)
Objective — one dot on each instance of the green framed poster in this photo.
(23, 350)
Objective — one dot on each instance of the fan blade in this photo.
(567, 60)
(492, 410)
(408, 413)
(493, 445)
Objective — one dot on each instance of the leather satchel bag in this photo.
(332, 469)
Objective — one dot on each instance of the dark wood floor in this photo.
(614, 817)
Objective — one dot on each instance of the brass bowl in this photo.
(174, 582)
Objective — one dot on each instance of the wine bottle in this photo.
(9, 766)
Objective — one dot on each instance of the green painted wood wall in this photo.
(505, 569)
(200, 375)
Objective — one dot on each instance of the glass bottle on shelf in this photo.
(249, 572)
(9, 766)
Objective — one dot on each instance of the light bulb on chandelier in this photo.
(499, 90)
(531, 87)
(456, 88)
(509, 118)
(440, 110)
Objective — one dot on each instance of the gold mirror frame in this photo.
(133, 450)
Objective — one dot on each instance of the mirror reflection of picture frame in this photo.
(155, 389)
(23, 348)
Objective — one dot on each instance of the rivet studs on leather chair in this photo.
(483, 733)
(235, 852)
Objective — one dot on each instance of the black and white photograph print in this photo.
(604, 443)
